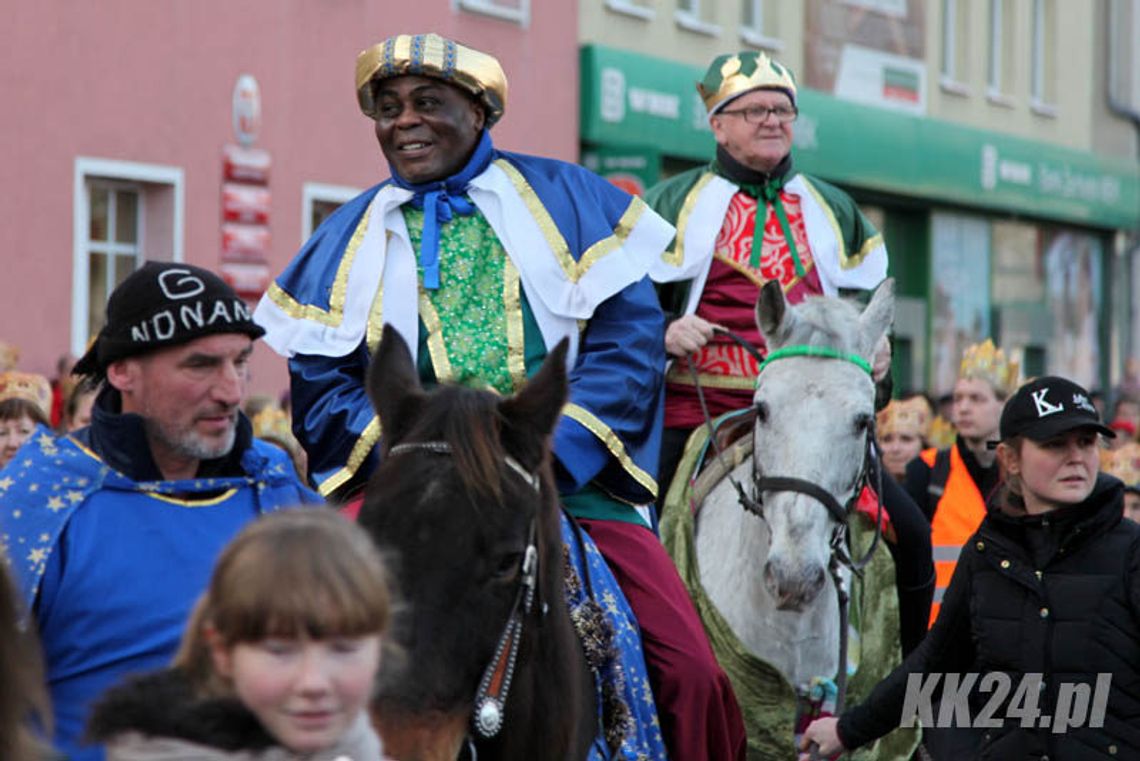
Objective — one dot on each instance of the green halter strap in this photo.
(769, 192)
(815, 351)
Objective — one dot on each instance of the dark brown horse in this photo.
(464, 502)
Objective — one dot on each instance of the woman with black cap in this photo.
(1042, 616)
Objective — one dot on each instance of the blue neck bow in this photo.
(440, 200)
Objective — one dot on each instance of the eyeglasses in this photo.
(760, 114)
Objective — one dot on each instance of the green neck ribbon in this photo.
(769, 192)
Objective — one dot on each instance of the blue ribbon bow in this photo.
(442, 199)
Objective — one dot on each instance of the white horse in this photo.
(769, 576)
(752, 537)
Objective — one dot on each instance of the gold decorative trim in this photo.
(516, 337)
(335, 313)
(193, 502)
(735, 382)
(542, 218)
(375, 328)
(610, 243)
(440, 362)
(676, 257)
(845, 262)
(368, 438)
(869, 245)
(605, 434)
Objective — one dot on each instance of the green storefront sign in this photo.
(633, 101)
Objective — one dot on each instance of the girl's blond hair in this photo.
(306, 571)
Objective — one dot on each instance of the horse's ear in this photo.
(538, 406)
(773, 317)
(394, 386)
(879, 313)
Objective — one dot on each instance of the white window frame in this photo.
(689, 19)
(993, 70)
(87, 168)
(995, 73)
(754, 34)
(629, 8)
(1038, 99)
(312, 192)
(950, 78)
(520, 15)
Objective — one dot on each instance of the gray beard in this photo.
(190, 444)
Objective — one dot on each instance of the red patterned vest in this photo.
(727, 372)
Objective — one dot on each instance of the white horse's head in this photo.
(813, 417)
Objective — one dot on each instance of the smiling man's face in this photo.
(427, 128)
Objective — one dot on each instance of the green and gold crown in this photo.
(989, 363)
(737, 73)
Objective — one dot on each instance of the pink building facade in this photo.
(117, 115)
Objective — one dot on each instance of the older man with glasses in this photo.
(744, 219)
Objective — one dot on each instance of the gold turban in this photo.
(905, 416)
(429, 55)
(989, 363)
(731, 75)
(29, 387)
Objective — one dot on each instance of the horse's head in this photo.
(813, 419)
(463, 488)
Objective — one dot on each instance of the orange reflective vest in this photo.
(957, 516)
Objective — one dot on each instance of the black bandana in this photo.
(165, 304)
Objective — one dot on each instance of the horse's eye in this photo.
(508, 566)
(761, 412)
(862, 423)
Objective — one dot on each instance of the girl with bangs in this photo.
(280, 658)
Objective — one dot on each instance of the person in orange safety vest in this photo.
(950, 485)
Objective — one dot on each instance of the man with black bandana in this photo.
(113, 530)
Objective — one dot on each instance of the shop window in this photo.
(124, 213)
(999, 72)
(759, 25)
(642, 9)
(1042, 77)
(697, 16)
(1073, 262)
(960, 292)
(955, 55)
(318, 201)
(508, 10)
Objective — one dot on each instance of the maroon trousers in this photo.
(700, 718)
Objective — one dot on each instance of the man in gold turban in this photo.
(482, 260)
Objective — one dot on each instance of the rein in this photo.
(495, 685)
(840, 558)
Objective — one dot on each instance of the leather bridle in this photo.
(487, 717)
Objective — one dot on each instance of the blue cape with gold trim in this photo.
(612, 426)
(51, 477)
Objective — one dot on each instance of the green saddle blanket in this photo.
(767, 699)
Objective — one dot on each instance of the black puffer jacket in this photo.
(1056, 595)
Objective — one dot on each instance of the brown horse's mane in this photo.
(469, 421)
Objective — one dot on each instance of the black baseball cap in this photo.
(1048, 407)
(165, 304)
